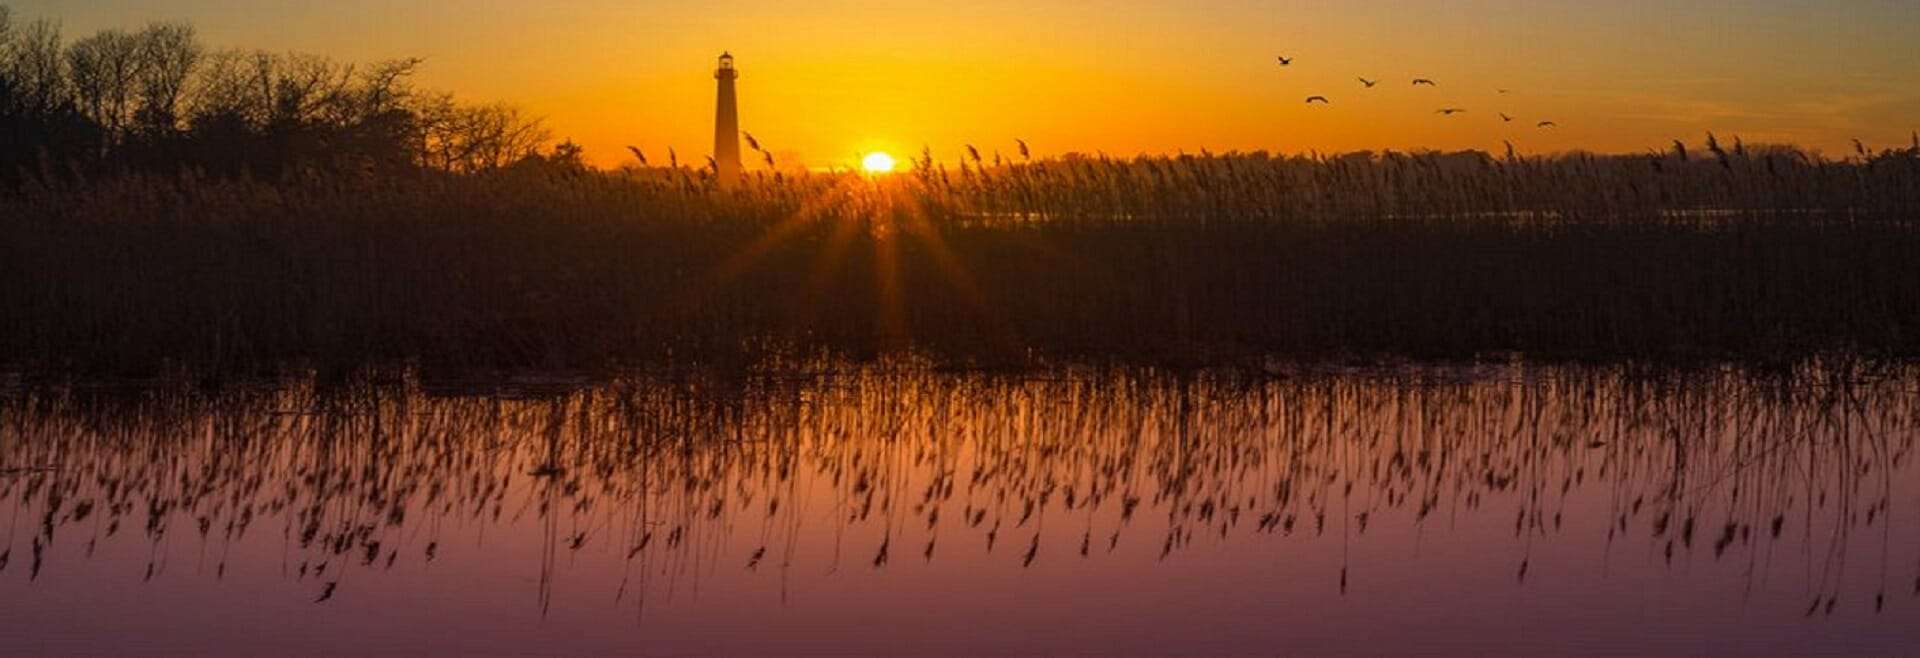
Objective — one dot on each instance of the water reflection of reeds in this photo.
(676, 476)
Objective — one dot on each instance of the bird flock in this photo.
(1417, 82)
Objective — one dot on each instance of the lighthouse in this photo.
(726, 125)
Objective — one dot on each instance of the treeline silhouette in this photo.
(158, 101)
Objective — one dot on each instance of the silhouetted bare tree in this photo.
(39, 125)
(157, 100)
(465, 139)
(169, 53)
(104, 70)
(35, 68)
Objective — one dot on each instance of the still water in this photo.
(1486, 511)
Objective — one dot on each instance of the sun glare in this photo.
(877, 163)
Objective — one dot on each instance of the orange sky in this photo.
(826, 80)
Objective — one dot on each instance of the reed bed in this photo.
(649, 479)
(1758, 256)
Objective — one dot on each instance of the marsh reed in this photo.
(1749, 255)
(649, 479)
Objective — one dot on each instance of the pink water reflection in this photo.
(1492, 512)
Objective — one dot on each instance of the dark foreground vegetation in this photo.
(1193, 260)
(168, 208)
(1708, 469)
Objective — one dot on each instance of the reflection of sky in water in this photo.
(1510, 512)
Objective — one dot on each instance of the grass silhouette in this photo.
(355, 479)
(1749, 255)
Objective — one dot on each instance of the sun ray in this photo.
(955, 274)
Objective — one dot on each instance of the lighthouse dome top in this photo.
(726, 60)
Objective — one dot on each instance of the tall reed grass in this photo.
(1760, 256)
(340, 482)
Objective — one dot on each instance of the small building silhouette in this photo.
(726, 125)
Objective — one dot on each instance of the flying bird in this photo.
(1449, 111)
(1501, 90)
(1317, 99)
(1547, 124)
(1423, 81)
(1286, 61)
(1504, 118)
(1369, 83)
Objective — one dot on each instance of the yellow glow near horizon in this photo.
(877, 162)
(1121, 76)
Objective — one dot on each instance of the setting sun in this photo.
(877, 163)
(1294, 305)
